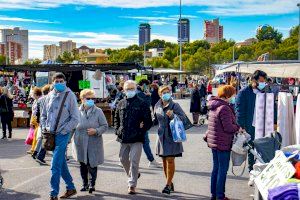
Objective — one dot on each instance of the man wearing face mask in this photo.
(132, 120)
(245, 106)
(61, 127)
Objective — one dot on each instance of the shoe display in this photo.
(154, 164)
(167, 190)
(68, 194)
(131, 190)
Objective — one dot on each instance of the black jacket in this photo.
(6, 107)
(129, 114)
(195, 105)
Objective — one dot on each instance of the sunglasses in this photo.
(90, 98)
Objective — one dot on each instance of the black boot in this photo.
(92, 189)
(84, 188)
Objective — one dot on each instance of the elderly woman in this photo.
(88, 140)
(166, 148)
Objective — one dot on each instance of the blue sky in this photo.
(114, 23)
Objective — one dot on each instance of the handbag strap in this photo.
(60, 111)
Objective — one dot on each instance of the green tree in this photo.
(269, 33)
(170, 54)
(2, 60)
(158, 62)
(192, 48)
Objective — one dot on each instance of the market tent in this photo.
(73, 67)
(283, 69)
(165, 71)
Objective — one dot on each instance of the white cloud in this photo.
(18, 19)
(157, 23)
(45, 31)
(216, 7)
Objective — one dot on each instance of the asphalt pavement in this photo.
(27, 180)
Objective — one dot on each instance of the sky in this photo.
(114, 23)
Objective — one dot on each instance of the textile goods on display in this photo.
(261, 116)
(286, 119)
(98, 83)
(297, 120)
(285, 192)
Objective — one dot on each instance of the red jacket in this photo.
(221, 125)
(209, 88)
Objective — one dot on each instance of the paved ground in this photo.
(27, 180)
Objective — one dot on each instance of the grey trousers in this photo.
(39, 144)
(130, 155)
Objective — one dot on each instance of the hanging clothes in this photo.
(98, 83)
(263, 119)
(286, 119)
(297, 120)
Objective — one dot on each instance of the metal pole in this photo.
(145, 54)
(299, 33)
(180, 43)
(233, 54)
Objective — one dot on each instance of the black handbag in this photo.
(48, 137)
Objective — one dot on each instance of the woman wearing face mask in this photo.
(221, 128)
(88, 140)
(166, 148)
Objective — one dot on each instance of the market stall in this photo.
(275, 179)
(100, 77)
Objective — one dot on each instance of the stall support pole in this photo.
(299, 33)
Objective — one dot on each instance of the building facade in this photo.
(157, 52)
(67, 46)
(184, 31)
(85, 50)
(19, 38)
(14, 51)
(51, 52)
(144, 33)
(213, 31)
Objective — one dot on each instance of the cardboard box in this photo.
(22, 122)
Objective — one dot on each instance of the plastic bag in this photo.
(30, 137)
(177, 129)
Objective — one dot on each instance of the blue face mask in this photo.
(166, 97)
(130, 93)
(59, 87)
(261, 85)
(232, 100)
(89, 103)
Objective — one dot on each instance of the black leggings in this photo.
(85, 170)
(6, 121)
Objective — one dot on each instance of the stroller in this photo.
(203, 111)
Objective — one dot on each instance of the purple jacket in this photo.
(221, 125)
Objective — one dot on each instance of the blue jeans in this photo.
(221, 161)
(59, 167)
(147, 148)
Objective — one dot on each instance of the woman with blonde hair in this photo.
(88, 143)
(167, 149)
(6, 112)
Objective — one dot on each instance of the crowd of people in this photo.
(55, 109)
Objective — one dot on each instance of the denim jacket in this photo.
(70, 113)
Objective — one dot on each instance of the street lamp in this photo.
(299, 33)
(7, 47)
(180, 42)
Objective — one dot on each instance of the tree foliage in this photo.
(268, 33)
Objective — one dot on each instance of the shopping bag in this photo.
(30, 137)
(177, 129)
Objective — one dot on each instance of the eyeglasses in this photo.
(90, 98)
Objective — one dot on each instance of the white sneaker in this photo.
(155, 164)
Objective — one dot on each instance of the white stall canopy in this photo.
(283, 69)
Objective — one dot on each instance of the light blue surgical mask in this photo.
(130, 93)
(166, 97)
(59, 87)
(232, 100)
(261, 85)
(89, 103)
